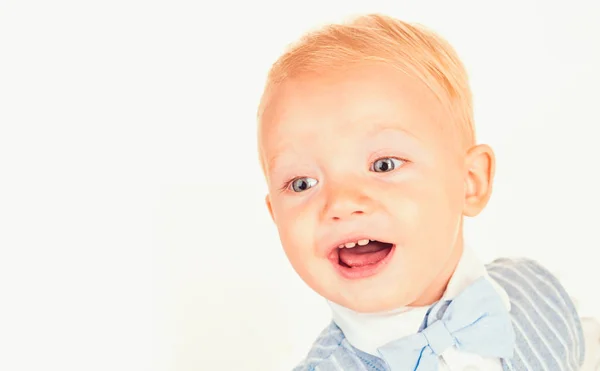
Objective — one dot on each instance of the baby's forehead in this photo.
(361, 100)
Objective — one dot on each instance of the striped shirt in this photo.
(549, 336)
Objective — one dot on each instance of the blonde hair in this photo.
(411, 48)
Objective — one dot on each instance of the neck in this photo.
(436, 289)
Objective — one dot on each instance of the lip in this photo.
(361, 272)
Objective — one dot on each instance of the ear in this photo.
(268, 202)
(480, 164)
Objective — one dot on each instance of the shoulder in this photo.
(332, 352)
(328, 341)
(543, 312)
(525, 279)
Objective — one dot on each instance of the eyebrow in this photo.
(271, 162)
(387, 126)
(391, 131)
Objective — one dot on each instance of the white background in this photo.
(133, 233)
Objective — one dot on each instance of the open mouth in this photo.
(363, 258)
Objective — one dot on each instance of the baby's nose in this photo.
(343, 214)
(346, 204)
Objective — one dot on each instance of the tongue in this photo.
(359, 256)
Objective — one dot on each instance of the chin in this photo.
(377, 297)
(375, 305)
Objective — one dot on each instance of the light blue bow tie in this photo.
(476, 321)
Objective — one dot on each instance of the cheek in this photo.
(425, 207)
(296, 225)
(407, 204)
(441, 212)
(296, 228)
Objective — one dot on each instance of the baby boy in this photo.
(367, 143)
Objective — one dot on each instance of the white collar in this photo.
(369, 331)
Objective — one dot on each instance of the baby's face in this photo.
(366, 185)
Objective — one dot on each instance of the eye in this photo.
(302, 184)
(386, 164)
